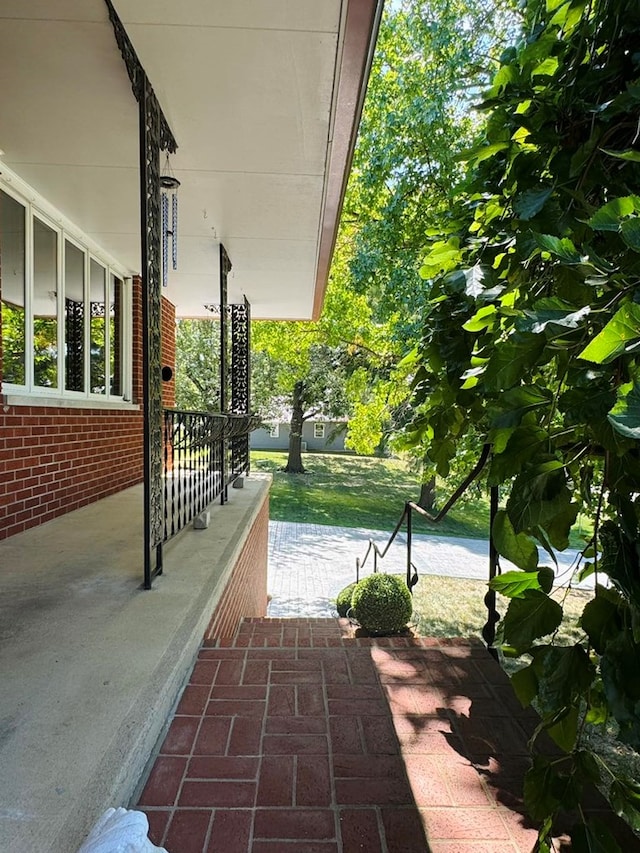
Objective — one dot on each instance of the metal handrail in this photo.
(379, 554)
(489, 629)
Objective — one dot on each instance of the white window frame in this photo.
(274, 430)
(36, 206)
(318, 430)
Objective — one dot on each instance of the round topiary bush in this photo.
(382, 604)
(343, 599)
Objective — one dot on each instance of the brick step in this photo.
(267, 632)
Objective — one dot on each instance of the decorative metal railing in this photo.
(203, 454)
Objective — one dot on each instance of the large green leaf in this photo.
(630, 232)
(525, 685)
(593, 837)
(620, 560)
(565, 730)
(474, 281)
(554, 312)
(629, 154)
(624, 417)
(558, 528)
(531, 202)
(528, 618)
(514, 584)
(624, 796)
(622, 328)
(540, 798)
(482, 319)
(565, 673)
(518, 548)
(540, 496)
(512, 360)
(611, 214)
(562, 247)
(601, 617)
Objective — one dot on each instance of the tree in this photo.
(531, 340)
(198, 365)
(432, 58)
(309, 378)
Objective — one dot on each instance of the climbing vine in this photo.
(532, 342)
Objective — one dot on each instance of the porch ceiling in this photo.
(263, 99)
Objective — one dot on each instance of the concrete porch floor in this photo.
(91, 665)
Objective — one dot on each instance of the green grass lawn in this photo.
(358, 491)
(364, 491)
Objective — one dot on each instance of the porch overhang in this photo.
(264, 101)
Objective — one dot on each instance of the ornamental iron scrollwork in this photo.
(139, 81)
(74, 340)
(154, 136)
(240, 357)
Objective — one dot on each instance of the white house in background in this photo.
(319, 434)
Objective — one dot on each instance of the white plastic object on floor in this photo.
(120, 831)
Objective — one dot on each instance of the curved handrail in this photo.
(489, 630)
(411, 506)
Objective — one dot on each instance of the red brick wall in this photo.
(246, 591)
(54, 460)
(169, 352)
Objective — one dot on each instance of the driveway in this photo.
(310, 563)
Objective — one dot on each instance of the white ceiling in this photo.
(262, 96)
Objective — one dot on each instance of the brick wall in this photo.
(246, 592)
(169, 352)
(54, 460)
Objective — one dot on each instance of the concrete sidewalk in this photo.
(310, 563)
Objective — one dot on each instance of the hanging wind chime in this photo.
(169, 189)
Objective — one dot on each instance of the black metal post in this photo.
(493, 617)
(240, 380)
(154, 136)
(225, 267)
(407, 509)
(151, 379)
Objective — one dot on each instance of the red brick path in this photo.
(291, 738)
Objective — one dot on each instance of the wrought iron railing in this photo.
(203, 454)
(489, 629)
(379, 554)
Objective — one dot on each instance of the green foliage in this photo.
(198, 365)
(343, 599)
(382, 604)
(530, 340)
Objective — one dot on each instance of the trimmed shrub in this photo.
(382, 604)
(343, 600)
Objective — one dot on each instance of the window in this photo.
(274, 431)
(64, 310)
(13, 241)
(318, 430)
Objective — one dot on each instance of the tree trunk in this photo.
(294, 462)
(427, 499)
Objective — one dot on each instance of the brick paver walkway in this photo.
(291, 738)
